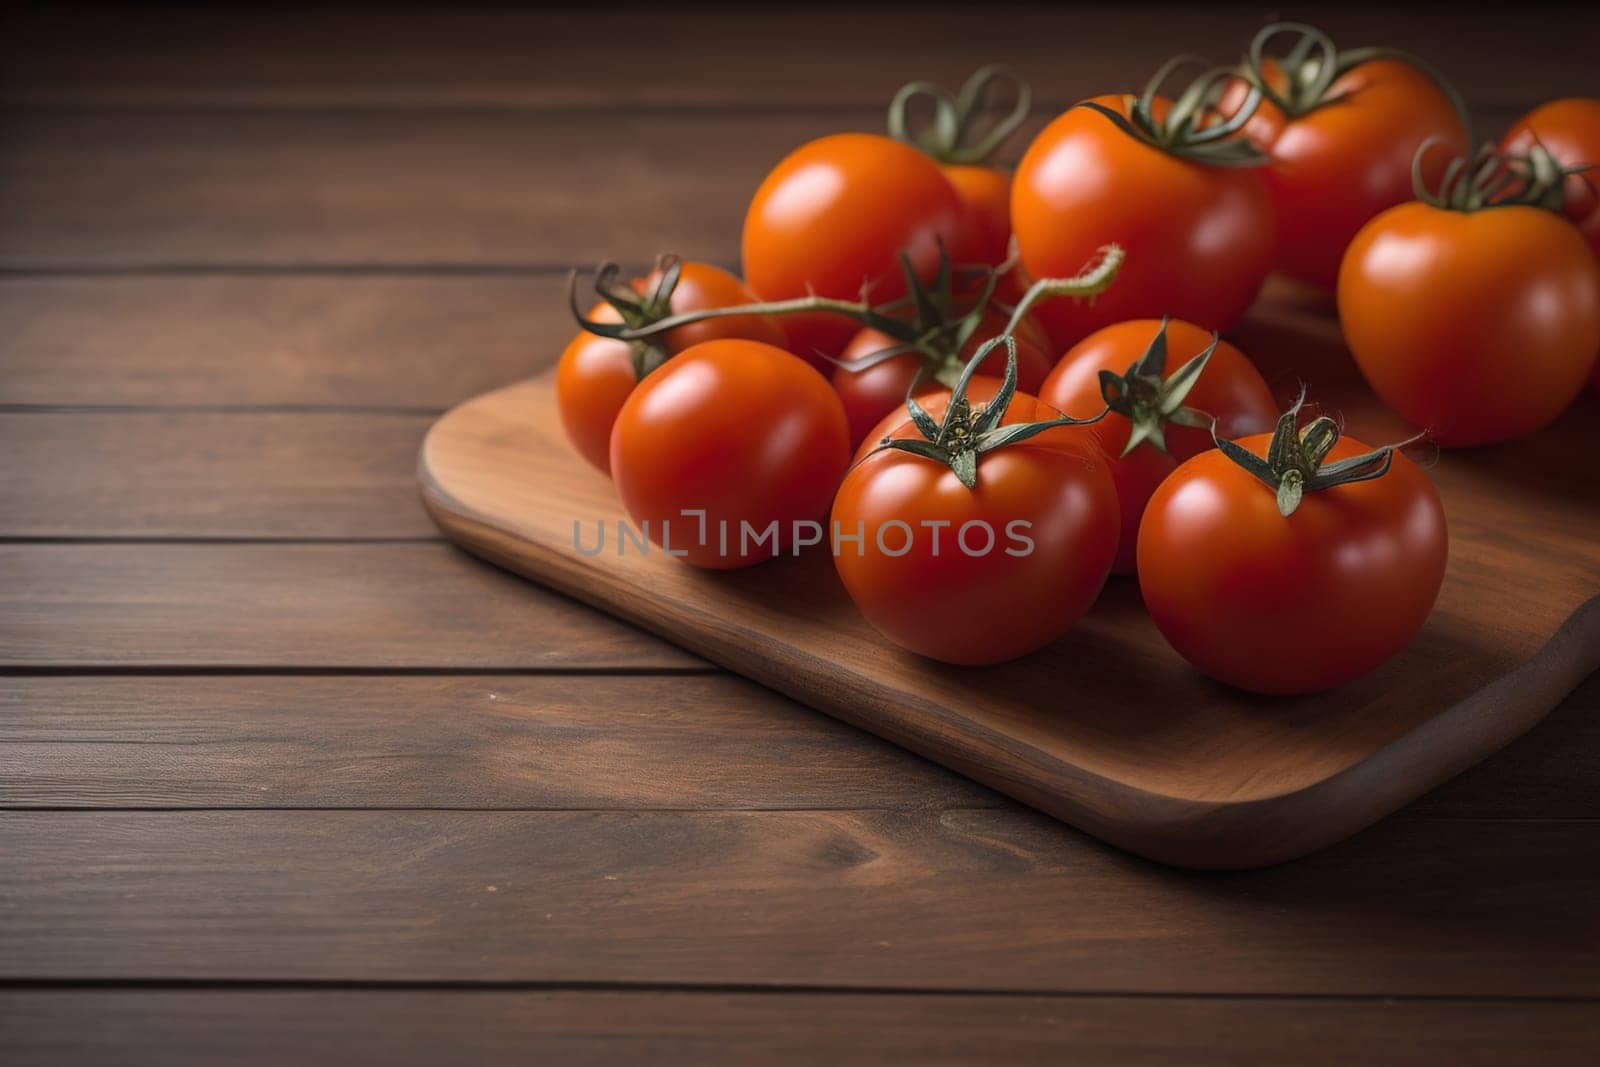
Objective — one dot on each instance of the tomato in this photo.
(1297, 603)
(1570, 131)
(742, 430)
(833, 218)
(596, 374)
(1198, 237)
(869, 393)
(1229, 389)
(1338, 157)
(985, 194)
(1478, 326)
(985, 573)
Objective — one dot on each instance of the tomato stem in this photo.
(1148, 399)
(1190, 128)
(953, 116)
(1491, 179)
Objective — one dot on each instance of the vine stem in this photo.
(1093, 280)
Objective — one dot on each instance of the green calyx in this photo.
(949, 136)
(1148, 399)
(1190, 128)
(1294, 464)
(1313, 63)
(637, 311)
(1493, 179)
(966, 433)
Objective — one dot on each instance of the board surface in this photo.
(1108, 729)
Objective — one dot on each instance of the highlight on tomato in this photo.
(1474, 311)
(1292, 562)
(1339, 129)
(834, 219)
(1170, 181)
(598, 371)
(1156, 417)
(981, 536)
(964, 150)
(724, 448)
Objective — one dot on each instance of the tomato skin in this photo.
(1230, 389)
(1290, 605)
(1199, 239)
(1478, 327)
(1569, 130)
(834, 216)
(988, 607)
(595, 374)
(985, 194)
(874, 392)
(742, 429)
(1337, 166)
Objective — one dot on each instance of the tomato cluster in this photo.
(985, 393)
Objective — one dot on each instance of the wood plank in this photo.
(247, 1026)
(296, 606)
(599, 58)
(188, 474)
(309, 190)
(352, 340)
(528, 742)
(956, 899)
(481, 742)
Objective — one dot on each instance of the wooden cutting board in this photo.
(1108, 729)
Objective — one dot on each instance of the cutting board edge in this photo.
(1179, 831)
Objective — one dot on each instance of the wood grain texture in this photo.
(245, 1027)
(325, 340)
(1231, 780)
(211, 474)
(505, 742)
(517, 742)
(296, 606)
(975, 900)
(753, 57)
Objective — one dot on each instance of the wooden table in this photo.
(283, 774)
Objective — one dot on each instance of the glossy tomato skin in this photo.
(985, 194)
(1199, 239)
(743, 430)
(1477, 327)
(834, 216)
(1569, 130)
(1290, 605)
(595, 374)
(1230, 389)
(977, 606)
(874, 392)
(1337, 166)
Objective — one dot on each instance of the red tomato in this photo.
(834, 216)
(871, 393)
(1297, 603)
(596, 373)
(1477, 326)
(1570, 131)
(1347, 158)
(1229, 389)
(1198, 237)
(739, 429)
(985, 574)
(985, 194)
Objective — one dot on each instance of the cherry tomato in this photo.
(1229, 389)
(834, 216)
(741, 430)
(985, 194)
(1297, 603)
(985, 574)
(870, 393)
(1477, 326)
(596, 374)
(1570, 131)
(1198, 237)
(1333, 167)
